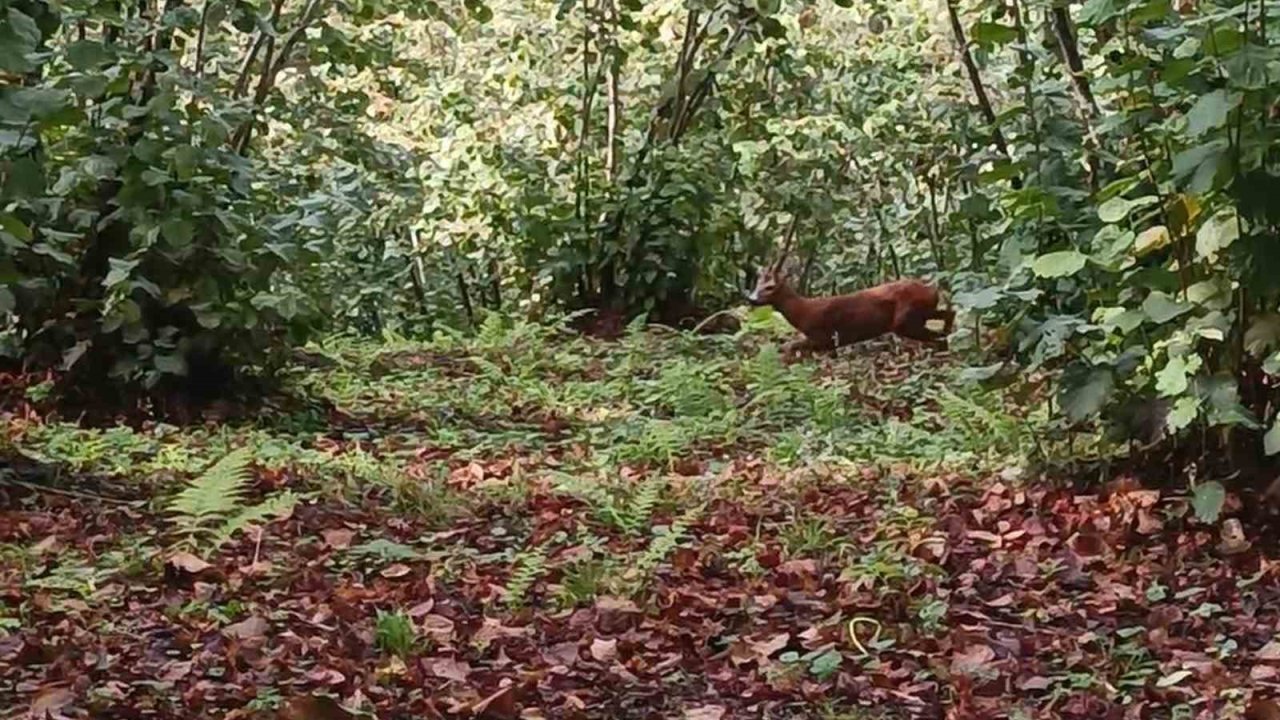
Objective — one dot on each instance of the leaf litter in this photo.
(894, 591)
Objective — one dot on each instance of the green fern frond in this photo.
(216, 493)
(529, 566)
(276, 506)
(643, 503)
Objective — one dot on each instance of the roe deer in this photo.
(901, 307)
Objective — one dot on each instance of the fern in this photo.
(216, 493)
(210, 510)
(529, 567)
(633, 516)
(664, 541)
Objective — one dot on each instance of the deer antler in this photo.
(787, 241)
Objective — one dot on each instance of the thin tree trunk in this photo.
(1070, 49)
(975, 78)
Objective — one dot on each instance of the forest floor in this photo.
(529, 524)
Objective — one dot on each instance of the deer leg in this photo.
(912, 326)
(946, 316)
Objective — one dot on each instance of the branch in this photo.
(242, 81)
(1071, 55)
(975, 78)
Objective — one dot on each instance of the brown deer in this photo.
(901, 307)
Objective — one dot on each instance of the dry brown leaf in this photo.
(49, 702)
(450, 669)
(338, 538)
(604, 650)
(501, 705)
(1269, 652)
(438, 627)
(973, 661)
(187, 562)
(319, 707)
(251, 627)
(396, 570)
(704, 712)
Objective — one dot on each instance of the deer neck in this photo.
(792, 306)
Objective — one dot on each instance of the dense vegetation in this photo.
(351, 236)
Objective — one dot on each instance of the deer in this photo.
(901, 307)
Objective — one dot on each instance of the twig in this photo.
(69, 493)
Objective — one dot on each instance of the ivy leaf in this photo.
(171, 364)
(1153, 238)
(989, 33)
(1184, 413)
(826, 664)
(1216, 235)
(1059, 264)
(1211, 111)
(1174, 378)
(120, 271)
(983, 299)
(1113, 210)
(1263, 334)
(15, 227)
(1084, 393)
(1207, 500)
(1162, 308)
(1271, 441)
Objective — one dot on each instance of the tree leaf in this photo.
(1174, 378)
(120, 271)
(1059, 264)
(1153, 238)
(1217, 234)
(1271, 441)
(1263, 334)
(990, 33)
(1084, 394)
(1161, 307)
(1113, 210)
(1211, 111)
(1207, 500)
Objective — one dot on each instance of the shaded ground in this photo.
(527, 525)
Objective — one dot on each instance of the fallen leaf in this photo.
(397, 570)
(251, 627)
(772, 645)
(1233, 541)
(187, 562)
(1269, 652)
(973, 661)
(318, 707)
(338, 538)
(50, 701)
(704, 712)
(450, 669)
(604, 650)
(501, 705)
(1173, 678)
(1003, 601)
(44, 545)
(438, 627)
(1035, 682)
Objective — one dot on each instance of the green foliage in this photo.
(528, 568)
(394, 633)
(211, 508)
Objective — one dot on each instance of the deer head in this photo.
(773, 277)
